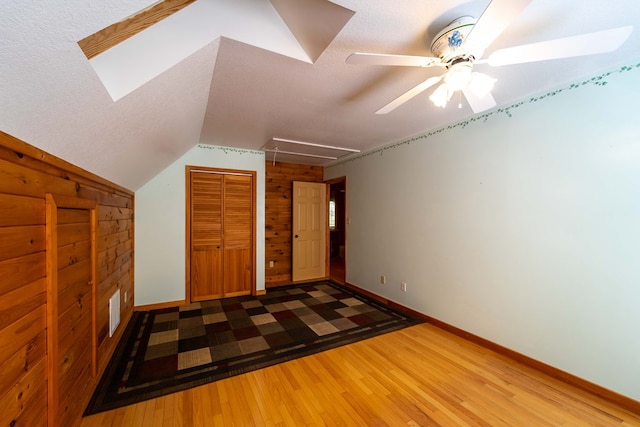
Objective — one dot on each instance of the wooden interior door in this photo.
(71, 335)
(309, 231)
(221, 230)
(206, 236)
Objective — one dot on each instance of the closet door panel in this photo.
(206, 275)
(206, 236)
(206, 210)
(238, 226)
(237, 272)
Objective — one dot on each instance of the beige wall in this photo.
(519, 225)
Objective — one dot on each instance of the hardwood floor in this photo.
(337, 270)
(419, 376)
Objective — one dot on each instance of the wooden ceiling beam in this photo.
(110, 36)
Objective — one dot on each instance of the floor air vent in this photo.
(114, 312)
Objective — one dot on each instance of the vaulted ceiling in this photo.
(241, 73)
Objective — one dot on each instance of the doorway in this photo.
(71, 225)
(309, 243)
(337, 228)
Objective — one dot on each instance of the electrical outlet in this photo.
(126, 296)
(271, 264)
(403, 286)
(383, 279)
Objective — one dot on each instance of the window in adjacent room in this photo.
(332, 215)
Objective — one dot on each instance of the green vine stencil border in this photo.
(230, 150)
(599, 80)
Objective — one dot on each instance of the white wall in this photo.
(521, 226)
(160, 222)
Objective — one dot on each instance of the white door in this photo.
(309, 230)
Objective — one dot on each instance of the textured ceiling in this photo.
(236, 91)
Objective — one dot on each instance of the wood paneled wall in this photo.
(27, 174)
(278, 216)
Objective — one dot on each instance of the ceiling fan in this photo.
(462, 43)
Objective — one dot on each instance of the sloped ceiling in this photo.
(197, 78)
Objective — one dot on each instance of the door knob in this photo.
(296, 236)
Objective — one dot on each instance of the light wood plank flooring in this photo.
(337, 270)
(419, 376)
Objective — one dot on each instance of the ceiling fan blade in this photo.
(409, 94)
(495, 18)
(477, 103)
(585, 44)
(384, 59)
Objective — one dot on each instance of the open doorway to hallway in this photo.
(337, 228)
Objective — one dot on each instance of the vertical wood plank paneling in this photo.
(18, 210)
(31, 158)
(20, 271)
(14, 368)
(26, 175)
(278, 216)
(73, 254)
(18, 241)
(114, 269)
(19, 333)
(19, 302)
(26, 393)
(15, 179)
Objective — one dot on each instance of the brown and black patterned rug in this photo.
(169, 350)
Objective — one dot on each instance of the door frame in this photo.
(52, 203)
(223, 171)
(330, 182)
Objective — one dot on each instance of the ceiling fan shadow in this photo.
(383, 79)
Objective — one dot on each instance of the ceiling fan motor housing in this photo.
(448, 44)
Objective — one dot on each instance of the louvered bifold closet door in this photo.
(206, 236)
(238, 226)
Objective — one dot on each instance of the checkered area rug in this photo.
(168, 350)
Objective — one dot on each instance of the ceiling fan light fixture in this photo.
(462, 43)
(458, 76)
(441, 96)
(481, 84)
